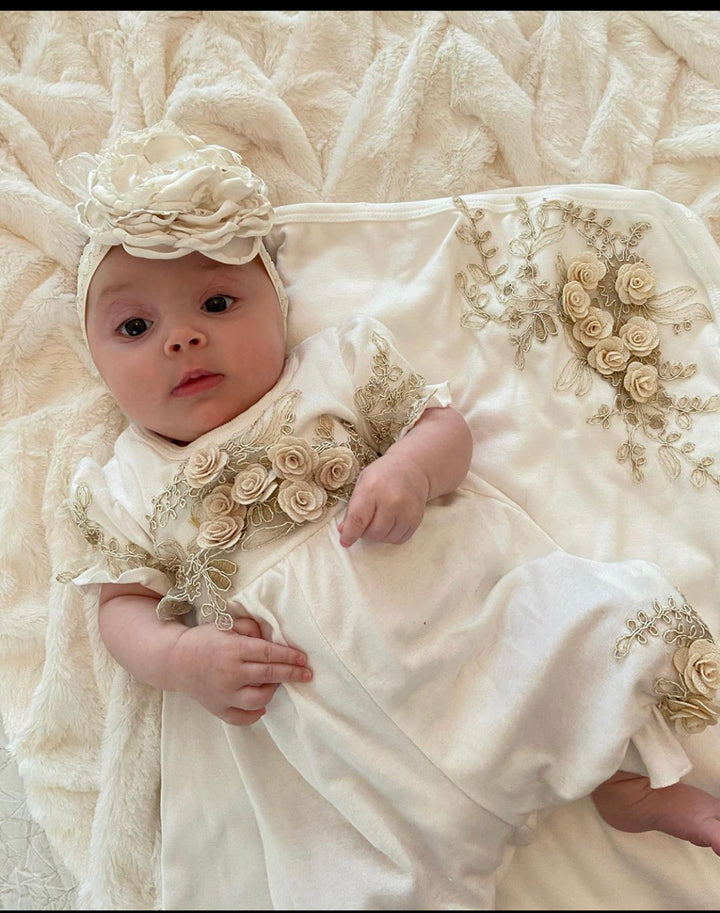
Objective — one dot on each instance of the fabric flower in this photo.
(253, 483)
(204, 466)
(336, 467)
(641, 336)
(690, 714)
(699, 665)
(222, 532)
(575, 300)
(594, 326)
(293, 458)
(162, 190)
(641, 381)
(218, 503)
(635, 283)
(302, 500)
(608, 356)
(587, 269)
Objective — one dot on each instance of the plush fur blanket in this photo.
(328, 106)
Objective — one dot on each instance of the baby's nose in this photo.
(181, 338)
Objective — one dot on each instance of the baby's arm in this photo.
(627, 802)
(389, 498)
(233, 674)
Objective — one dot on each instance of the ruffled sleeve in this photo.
(121, 550)
(389, 393)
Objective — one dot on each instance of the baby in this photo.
(308, 518)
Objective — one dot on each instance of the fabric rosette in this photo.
(205, 466)
(690, 701)
(161, 192)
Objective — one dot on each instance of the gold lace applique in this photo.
(391, 399)
(246, 492)
(687, 699)
(202, 576)
(610, 311)
(119, 557)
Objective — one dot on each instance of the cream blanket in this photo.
(330, 107)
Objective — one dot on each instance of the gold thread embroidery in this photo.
(247, 492)
(610, 312)
(119, 557)
(391, 399)
(681, 624)
(687, 699)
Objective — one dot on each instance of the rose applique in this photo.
(163, 190)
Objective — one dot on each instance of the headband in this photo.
(162, 193)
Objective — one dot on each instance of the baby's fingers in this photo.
(259, 650)
(351, 529)
(275, 673)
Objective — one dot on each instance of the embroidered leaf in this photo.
(601, 417)
(264, 534)
(670, 307)
(518, 248)
(170, 553)
(219, 579)
(711, 405)
(223, 621)
(466, 234)
(549, 236)
(674, 370)
(698, 477)
(544, 326)
(478, 273)
(561, 267)
(474, 320)
(669, 461)
(575, 374)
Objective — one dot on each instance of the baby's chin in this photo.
(181, 437)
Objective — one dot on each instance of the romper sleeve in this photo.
(389, 393)
(120, 549)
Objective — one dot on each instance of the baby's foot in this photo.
(627, 802)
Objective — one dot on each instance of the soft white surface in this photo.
(341, 106)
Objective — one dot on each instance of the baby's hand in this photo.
(234, 674)
(388, 502)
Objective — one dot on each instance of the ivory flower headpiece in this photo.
(163, 193)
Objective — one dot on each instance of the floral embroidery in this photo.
(119, 557)
(392, 399)
(687, 700)
(202, 577)
(609, 307)
(244, 493)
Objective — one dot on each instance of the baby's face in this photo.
(184, 345)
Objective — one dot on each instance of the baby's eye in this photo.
(218, 303)
(136, 326)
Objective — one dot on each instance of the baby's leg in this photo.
(627, 802)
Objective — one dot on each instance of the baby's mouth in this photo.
(196, 382)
